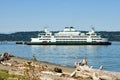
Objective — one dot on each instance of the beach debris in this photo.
(58, 70)
(104, 77)
(101, 67)
(83, 62)
(33, 57)
(4, 56)
(6, 64)
(95, 76)
(73, 73)
(84, 71)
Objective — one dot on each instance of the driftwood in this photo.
(84, 71)
(4, 56)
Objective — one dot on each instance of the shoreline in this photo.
(66, 70)
(49, 63)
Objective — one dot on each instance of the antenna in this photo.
(92, 28)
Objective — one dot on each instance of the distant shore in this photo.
(112, 35)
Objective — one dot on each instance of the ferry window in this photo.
(39, 36)
(47, 34)
(92, 34)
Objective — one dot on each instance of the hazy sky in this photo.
(34, 15)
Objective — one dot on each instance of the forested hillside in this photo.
(18, 36)
(113, 36)
(25, 36)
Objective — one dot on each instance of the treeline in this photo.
(113, 36)
(25, 36)
(18, 36)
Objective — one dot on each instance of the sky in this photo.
(35, 15)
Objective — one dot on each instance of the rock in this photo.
(59, 70)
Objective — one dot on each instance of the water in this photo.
(108, 56)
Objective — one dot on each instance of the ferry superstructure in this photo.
(69, 36)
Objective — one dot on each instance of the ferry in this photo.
(69, 36)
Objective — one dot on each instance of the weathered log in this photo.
(82, 75)
(83, 62)
(104, 77)
(73, 73)
(95, 76)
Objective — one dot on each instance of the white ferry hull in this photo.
(68, 43)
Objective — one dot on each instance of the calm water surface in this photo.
(108, 56)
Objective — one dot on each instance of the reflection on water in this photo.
(108, 56)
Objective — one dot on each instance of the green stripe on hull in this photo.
(69, 43)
